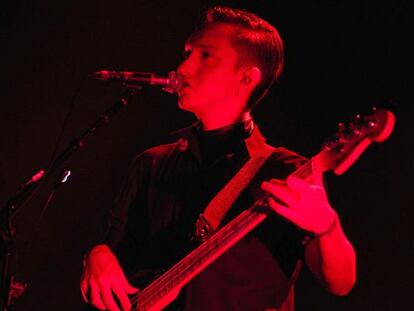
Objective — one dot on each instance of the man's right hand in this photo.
(103, 280)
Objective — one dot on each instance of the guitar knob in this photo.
(372, 124)
(356, 132)
(356, 119)
(341, 126)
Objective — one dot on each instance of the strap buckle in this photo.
(203, 229)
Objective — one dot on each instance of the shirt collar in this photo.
(221, 141)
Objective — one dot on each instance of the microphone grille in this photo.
(175, 82)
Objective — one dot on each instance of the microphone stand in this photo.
(9, 289)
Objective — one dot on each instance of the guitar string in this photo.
(194, 255)
(148, 293)
(222, 238)
(196, 259)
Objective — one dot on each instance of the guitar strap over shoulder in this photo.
(210, 219)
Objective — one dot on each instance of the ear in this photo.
(250, 77)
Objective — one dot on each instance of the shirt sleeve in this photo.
(133, 186)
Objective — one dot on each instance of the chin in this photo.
(182, 104)
(185, 105)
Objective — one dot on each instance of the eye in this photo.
(205, 54)
(187, 53)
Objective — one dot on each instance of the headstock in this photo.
(343, 149)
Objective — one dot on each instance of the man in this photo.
(232, 59)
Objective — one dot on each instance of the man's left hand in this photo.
(303, 203)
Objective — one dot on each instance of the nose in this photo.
(182, 69)
(187, 67)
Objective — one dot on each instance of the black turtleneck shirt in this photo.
(151, 226)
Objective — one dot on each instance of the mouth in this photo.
(184, 87)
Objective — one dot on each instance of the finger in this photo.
(128, 287)
(122, 297)
(305, 187)
(276, 181)
(95, 296)
(131, 289)
(108, 299)
(283, 211)
(317, 179)
(297, 184)
(280, 193)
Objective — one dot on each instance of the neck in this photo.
(220, 120)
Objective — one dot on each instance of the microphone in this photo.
(134, 79)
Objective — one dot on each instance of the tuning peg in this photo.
(369, 122)
(335, 141)
(356, 119)
(372, 124)
(356, 131)
(341, 127)
(355, 128)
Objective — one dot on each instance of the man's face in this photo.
(209, 72)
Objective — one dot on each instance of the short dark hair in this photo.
(256, 41)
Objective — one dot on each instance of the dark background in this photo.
(342, 59)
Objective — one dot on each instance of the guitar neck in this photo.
(167, 286)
